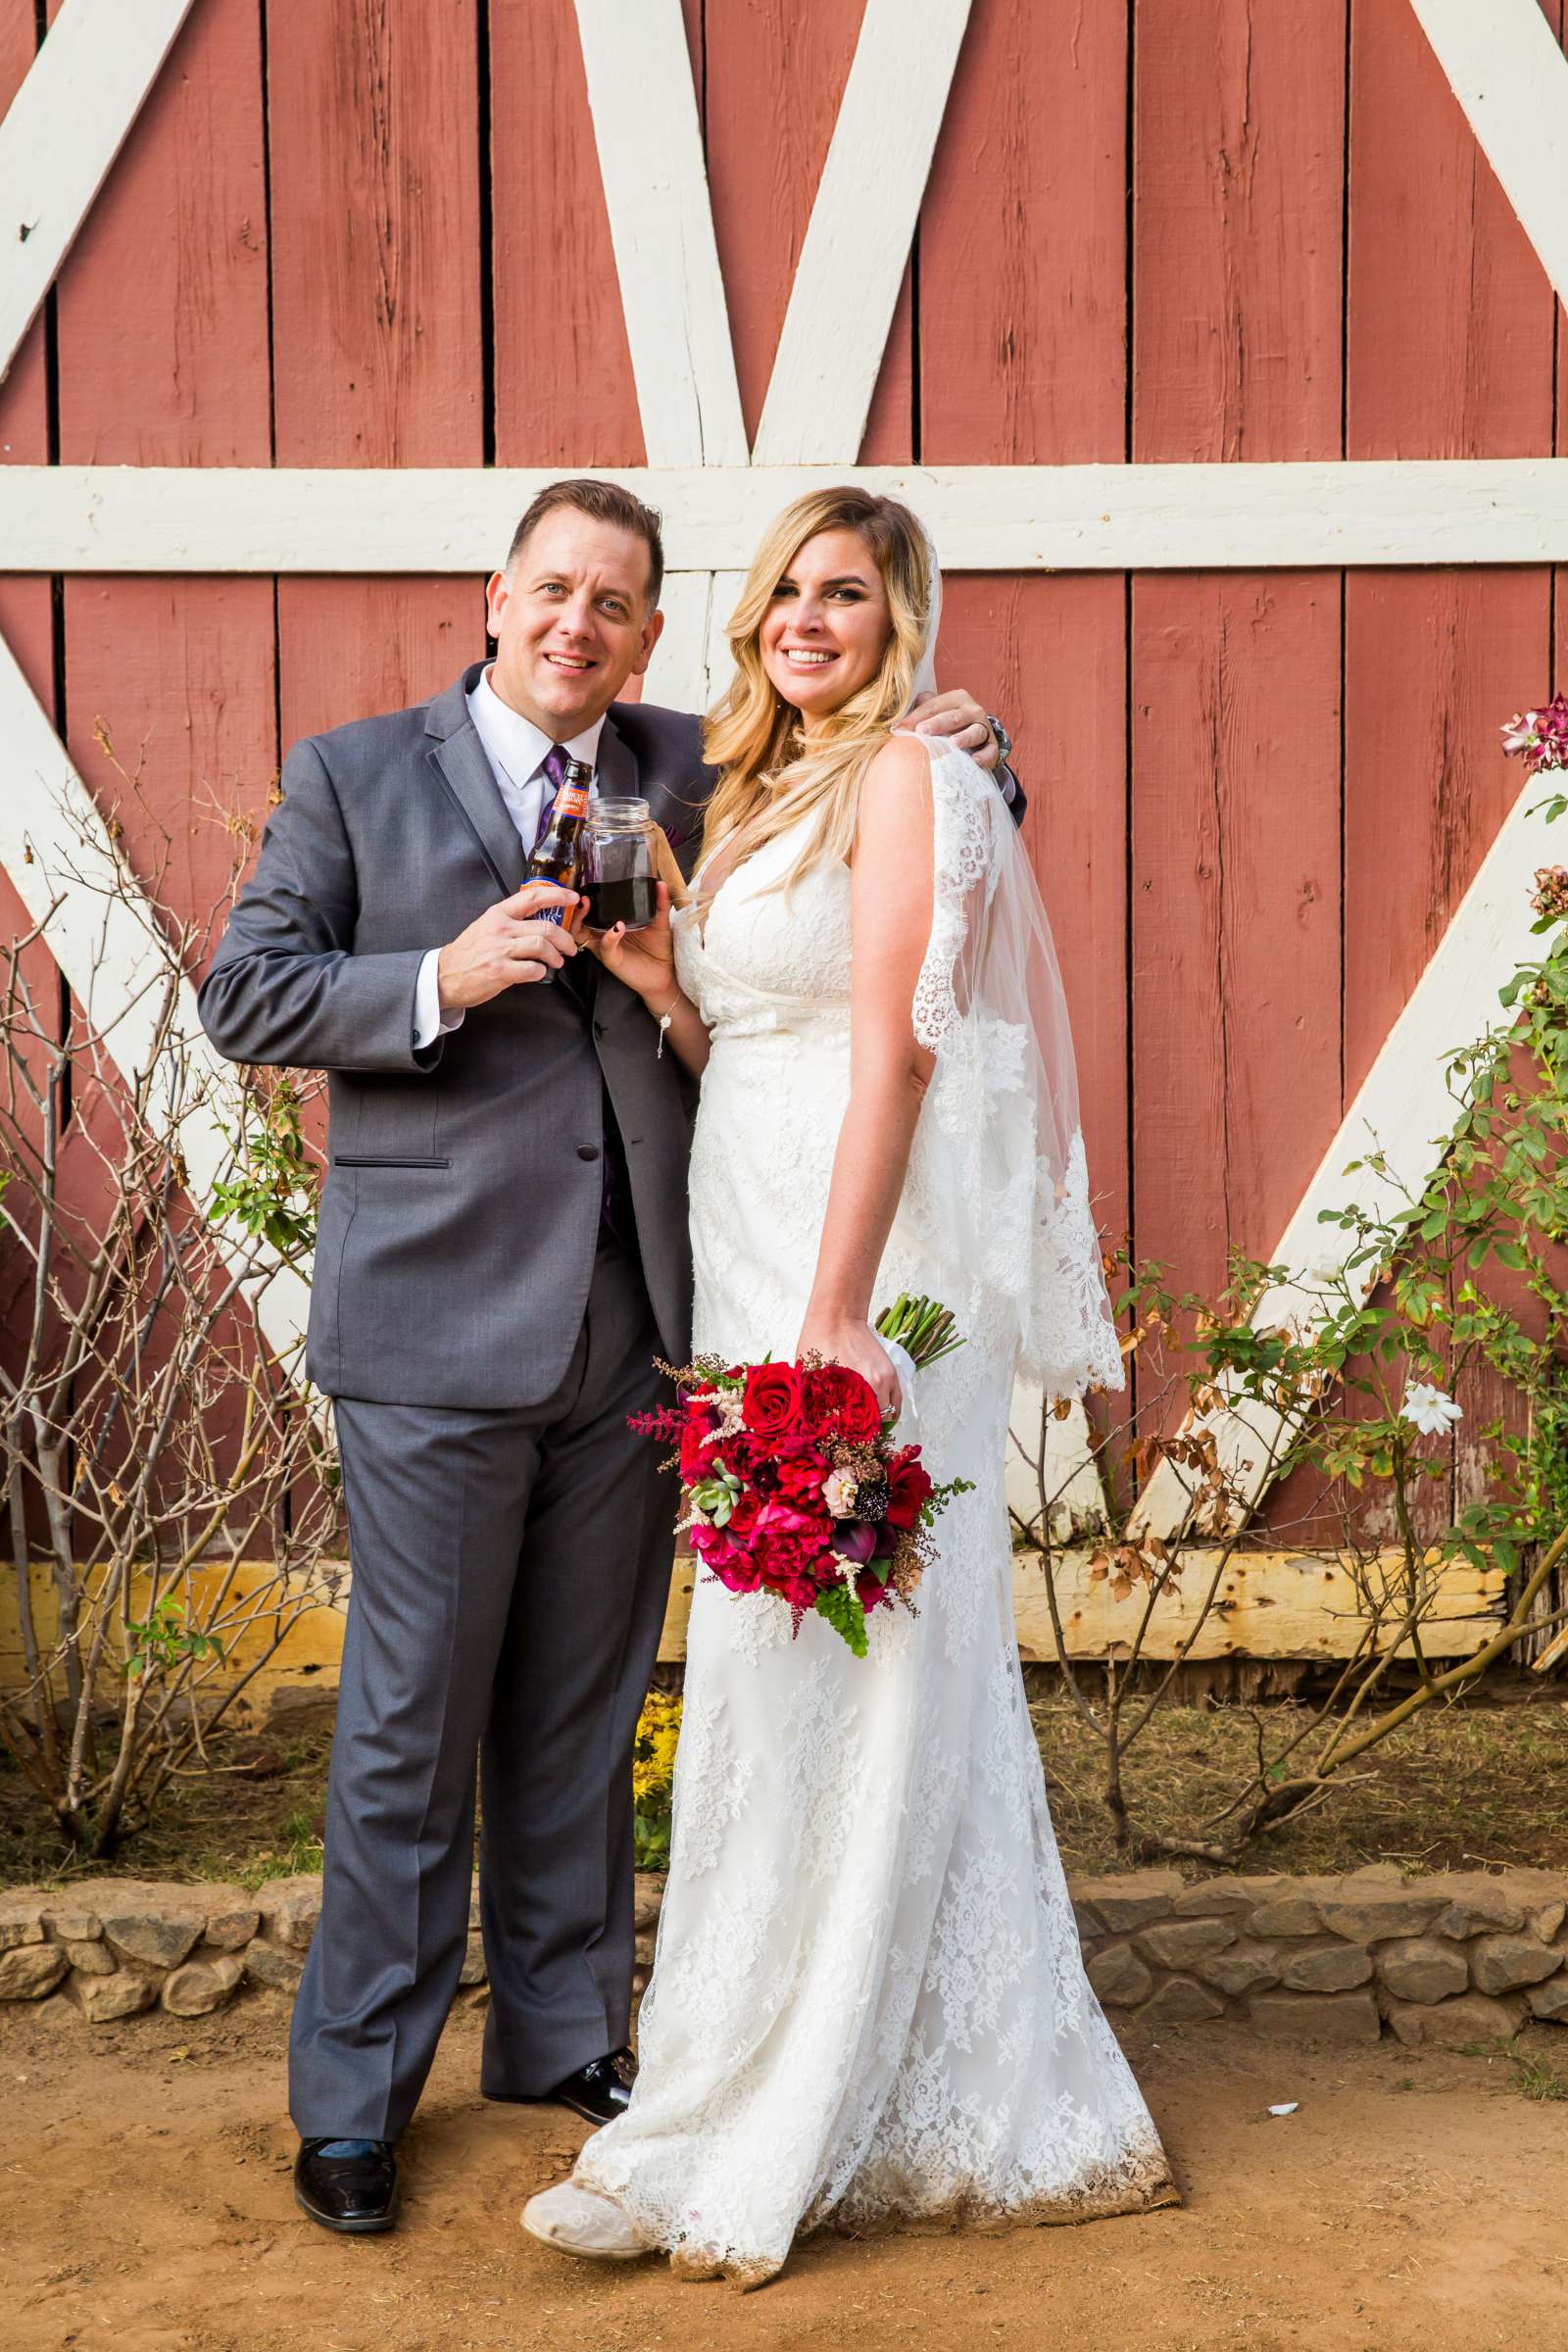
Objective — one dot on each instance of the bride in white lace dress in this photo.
(868, 2002)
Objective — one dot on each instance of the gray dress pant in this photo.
(510, 1571)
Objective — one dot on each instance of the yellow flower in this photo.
(653, 1769)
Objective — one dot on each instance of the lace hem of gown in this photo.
(1142, 2183)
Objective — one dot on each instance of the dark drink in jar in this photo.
(620, 864)
(633, 901)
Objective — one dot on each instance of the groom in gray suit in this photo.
(501, 1255)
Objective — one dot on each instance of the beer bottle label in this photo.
(572, 801)
(570, 809)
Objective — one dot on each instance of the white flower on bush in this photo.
(1429, 1409)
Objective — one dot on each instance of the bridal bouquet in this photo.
(791, 1484)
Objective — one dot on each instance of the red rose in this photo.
(909, 1487)
(772, 1406)
(743, 1517)
(788, 1559)
(839, 1402)
(698, 1419)
(800, 1480)
(746, 1455)
(696, 1456)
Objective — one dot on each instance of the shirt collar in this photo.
(515, 742)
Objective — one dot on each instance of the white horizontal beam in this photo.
(1404, 1110)
(62, 131)
(213, 518)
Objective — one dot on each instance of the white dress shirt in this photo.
(517, 751)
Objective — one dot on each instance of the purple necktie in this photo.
(554, 768)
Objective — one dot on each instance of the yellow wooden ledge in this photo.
(1270, 1605)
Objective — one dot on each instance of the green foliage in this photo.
(1536, 2078)
(163, 1640)
(1362, 1368)
(840, 1604)
(1415, 1300)
(937, 1501)
(275, 1185)
(653, 1779)
(298, 1851)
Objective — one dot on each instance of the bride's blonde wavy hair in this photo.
(769, 776)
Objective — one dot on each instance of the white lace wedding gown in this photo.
(868, 2001)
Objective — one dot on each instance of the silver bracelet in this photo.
(663, 1019)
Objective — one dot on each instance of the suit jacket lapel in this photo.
(667, 803)
(462, 764)
(616, 772)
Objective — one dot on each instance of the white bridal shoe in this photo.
(574, 2221)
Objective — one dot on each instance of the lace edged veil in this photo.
(1009, 1174)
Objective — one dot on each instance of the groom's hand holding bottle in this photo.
(506, 947)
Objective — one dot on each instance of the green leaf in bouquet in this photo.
(840, 1604)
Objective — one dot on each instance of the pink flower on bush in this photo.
(1540, 737)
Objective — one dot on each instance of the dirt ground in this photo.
(1413, 2200)
(1479, 1782)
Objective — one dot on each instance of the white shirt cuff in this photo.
(429, 1021)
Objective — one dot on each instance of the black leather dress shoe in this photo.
(354, 2195)
(600, 2090)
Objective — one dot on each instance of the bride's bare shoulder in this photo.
(898, 776)
(893, 829)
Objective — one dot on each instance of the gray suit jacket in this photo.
(462, 1207)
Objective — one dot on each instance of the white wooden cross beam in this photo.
(92, 73)
(94, 69)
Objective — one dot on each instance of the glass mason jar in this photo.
(620, 875)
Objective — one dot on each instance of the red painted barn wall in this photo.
(1188, 229)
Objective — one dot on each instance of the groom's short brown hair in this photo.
(605, 502)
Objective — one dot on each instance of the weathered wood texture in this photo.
(1434, 661)
(164, 360)
(1022, 263)
(1196, 230)
(1236, 934)
(25, 438)
(375, 158)
(1269, 1605)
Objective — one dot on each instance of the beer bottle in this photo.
(559, 855)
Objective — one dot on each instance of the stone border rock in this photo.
(1452, 1959)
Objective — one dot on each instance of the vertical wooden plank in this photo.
(163, 360)
(1239, 139)
(775, 72)
(373, 132)
(1022, 270)
(26, 616)
(24, 603)
(1434, 660)
(565, 394)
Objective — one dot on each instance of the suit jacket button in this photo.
(599, 1028)
(587, 1151)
